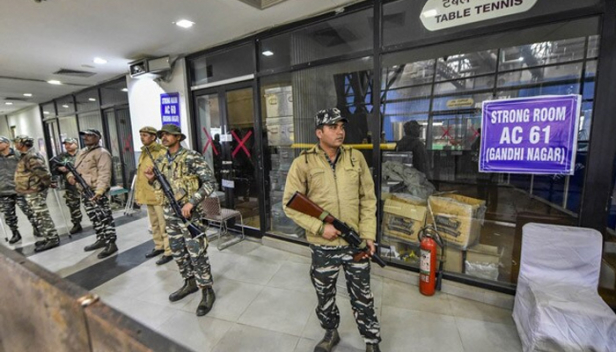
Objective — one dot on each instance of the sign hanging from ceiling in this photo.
(535, 135)
(170, 108)
(441, 14)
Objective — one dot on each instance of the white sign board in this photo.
(441, 14)
(228, 183)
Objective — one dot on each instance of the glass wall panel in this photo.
(338, 36)
(289, 103)
(87, 100)
(65, 105)
(432, 109)
(68, 128)
(234, 62)
(114, 93)
(49, 110)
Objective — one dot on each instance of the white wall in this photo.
(27, 122)
(144, 101)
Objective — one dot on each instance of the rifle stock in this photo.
(173, 203)
(301, 203)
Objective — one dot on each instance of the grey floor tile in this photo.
(280, 310)
(232, 298)
(269, 253)
(149, 314)
(412, 330)
(242, 338)
(482, 336)
(465, 308)
(251, 270)
(292, 276)
(307, 345)
(197, 333)
(401, 295)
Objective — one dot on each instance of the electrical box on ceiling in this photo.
(262, 4)
(160, 64)
(139, 67)
(143, 66)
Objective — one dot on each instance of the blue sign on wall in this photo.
(170, 108)
(535, 135)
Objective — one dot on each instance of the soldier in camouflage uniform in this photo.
(8, 197)
(338, 179)
(71, 193)
(192, 180)
(32, 180)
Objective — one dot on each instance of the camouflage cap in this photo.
(70, 140)
(328, 117)
(171, 129)
(91, 131)
(3, 139)
(148, 129)
(23, 139)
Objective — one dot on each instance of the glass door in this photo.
(121, 145)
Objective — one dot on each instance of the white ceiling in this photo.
(39, 38)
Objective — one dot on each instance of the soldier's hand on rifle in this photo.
(62, 169)
(149, 173)
(186, 210)
(330, 232)
(72, 181)
(367, 254)
(96, 197)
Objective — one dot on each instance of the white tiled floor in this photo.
(265, 302)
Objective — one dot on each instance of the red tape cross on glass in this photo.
(241, 143)
(446, 134)
(208, 143)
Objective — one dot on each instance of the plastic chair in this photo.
(557, 306)
(214, 214)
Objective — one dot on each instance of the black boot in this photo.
(36, 233)
(109, 250)
(16, 237)
(190, 286)
(76, 228)
(96, 245)
(372, 348)
(48, 244)
(330, 340)
(206, 302)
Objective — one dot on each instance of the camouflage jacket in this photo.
(190, 177)
(31, 175)
(8, 165)
(56, 162)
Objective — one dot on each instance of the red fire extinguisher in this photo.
(429, 240)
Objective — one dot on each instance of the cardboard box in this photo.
(402, 219)
(280, 130)
(483, 261)
(458, 218)
(279, 101)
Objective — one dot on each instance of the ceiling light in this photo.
(521, 58)
(184, 23)
(45, 112)
(27, 94)
(53, 81)
(91, 99)
(8, 103)
(98, 60)
(65, 106)
(125, 89)
(267, 53)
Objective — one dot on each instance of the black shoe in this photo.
(49, 244)
(330, 340)
(76, 228)
(96, 245)
(372, 348)
(206, 302)
(36, 233)
(109, 250)
(164, 260)
(155, 252)
(190, 286)
(16, 237)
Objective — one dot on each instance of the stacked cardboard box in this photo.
(403, 217)
(457, 218)
(279, 120)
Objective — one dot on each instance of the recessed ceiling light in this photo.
(8, 103)
(184, 23)
(100, 61)
(124, 89)
(65, 106)
(46, 112)
(91, 99)
(268, 53)
(27, 94)
(53, 81)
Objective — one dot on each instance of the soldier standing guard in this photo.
(192, 180)
(71, 193)
(8, 197)
(93, 163)
(145, 194)
(32, 180)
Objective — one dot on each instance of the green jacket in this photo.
(349, 195)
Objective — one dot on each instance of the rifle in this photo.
(87, 191)
(173, 203)
(304, 205)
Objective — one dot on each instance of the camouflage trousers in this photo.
(326, 263)
(7, 206)
(101, 217)
(73, 202)
(189, 253)
(41, 219)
